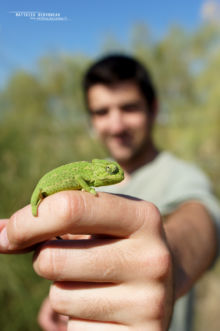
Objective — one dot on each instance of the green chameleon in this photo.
(76, 176)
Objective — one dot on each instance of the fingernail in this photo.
(4, 243)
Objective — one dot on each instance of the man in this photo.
(130, 273)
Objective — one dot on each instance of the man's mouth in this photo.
(121, 139)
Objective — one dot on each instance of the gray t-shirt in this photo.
(168, 182)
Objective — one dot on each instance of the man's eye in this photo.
(99, 112)
(133, 107)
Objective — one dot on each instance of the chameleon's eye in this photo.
(112, 169)
(108, 169)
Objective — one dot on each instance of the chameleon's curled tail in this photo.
(35, 200)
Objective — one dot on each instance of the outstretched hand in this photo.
(120, 279)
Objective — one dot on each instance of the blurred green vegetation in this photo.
(43, 124)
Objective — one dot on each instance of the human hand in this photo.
(120, 281)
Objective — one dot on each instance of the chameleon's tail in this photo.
(35, 200)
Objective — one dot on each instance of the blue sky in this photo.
(23, 41)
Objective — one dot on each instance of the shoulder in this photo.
(187, 182)
(181, 170)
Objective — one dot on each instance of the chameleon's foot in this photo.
(93, 191)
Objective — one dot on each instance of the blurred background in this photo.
(43, 122)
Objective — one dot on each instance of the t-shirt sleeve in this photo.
(191, 184)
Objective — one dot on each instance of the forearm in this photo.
(192, 239)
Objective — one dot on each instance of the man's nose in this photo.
(116, 122)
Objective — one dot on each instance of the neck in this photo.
(144, 157)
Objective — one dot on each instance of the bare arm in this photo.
(192, 238)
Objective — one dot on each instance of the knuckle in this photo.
(43, 265)
(150, 303)
(149, 214)
(153, 210)
(165, 263)
(161, 263)
(155, 263)
(154, 303)
(154, 218)
(48, 264)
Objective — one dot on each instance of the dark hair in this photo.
(114, 69)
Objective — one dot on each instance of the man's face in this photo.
(120, 117)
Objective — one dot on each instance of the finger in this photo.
(107, 302)
(82, 325)
(4, 244)
(3, 223)
(49, 320)
(100, 260)
(82, 260)
(77, 213)
(3, 236)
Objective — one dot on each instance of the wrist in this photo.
(181, 280)
(192, 240)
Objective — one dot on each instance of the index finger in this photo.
(76, 213)
(4, 240)
(3, 222)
